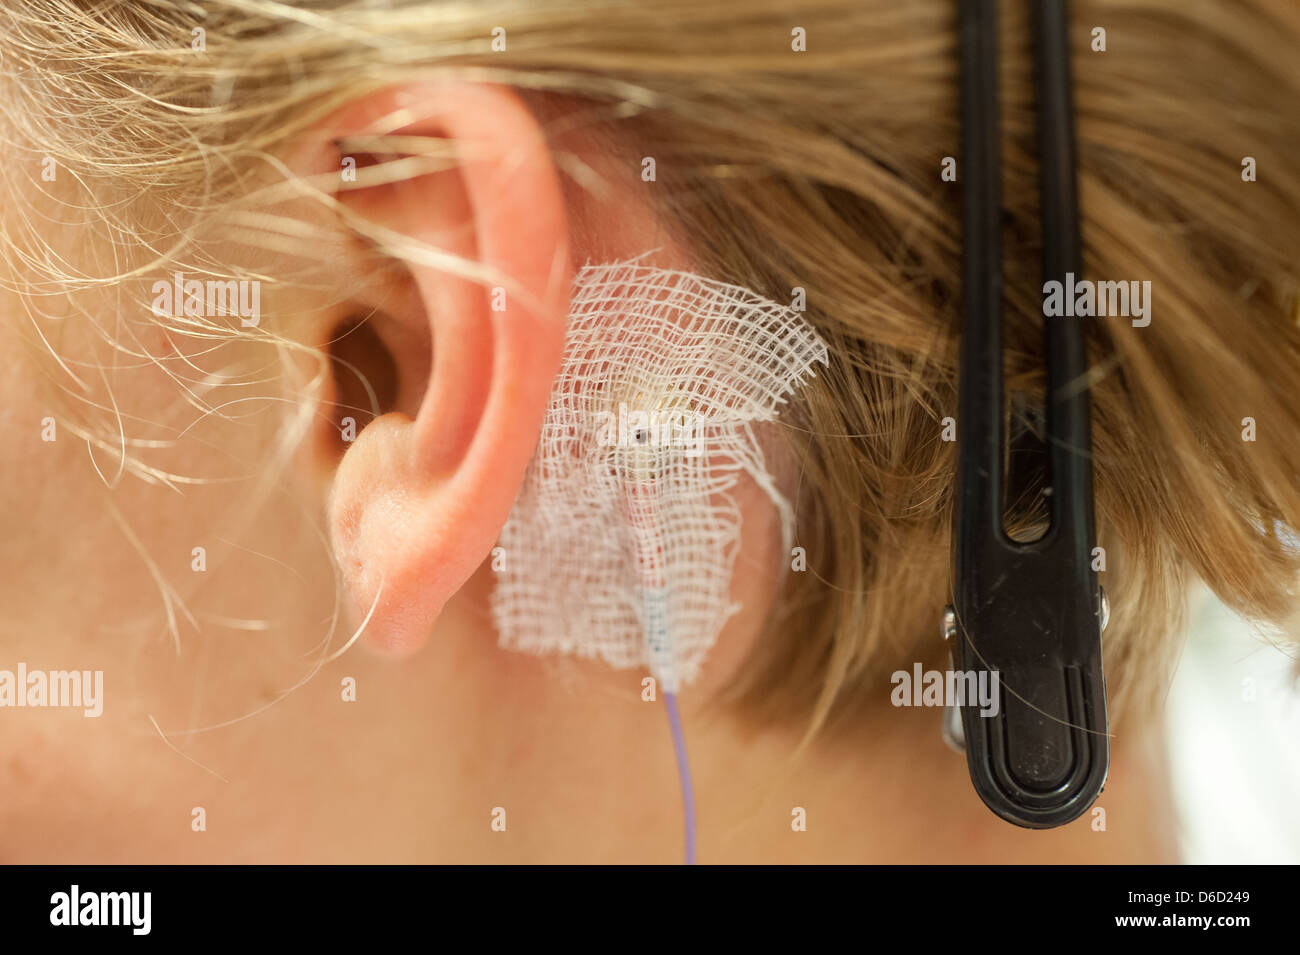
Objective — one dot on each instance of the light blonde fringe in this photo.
(818, 170)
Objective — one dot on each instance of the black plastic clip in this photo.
(1030, 611)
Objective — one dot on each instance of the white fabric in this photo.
(622, 541)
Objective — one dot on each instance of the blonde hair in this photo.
(818, 170)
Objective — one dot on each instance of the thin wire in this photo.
(641, 508)
(683, 774)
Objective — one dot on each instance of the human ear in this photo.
(416, 501)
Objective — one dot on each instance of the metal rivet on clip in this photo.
(953, 733)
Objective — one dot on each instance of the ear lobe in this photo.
(417, 504)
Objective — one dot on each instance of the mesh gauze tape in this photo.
(622, 541)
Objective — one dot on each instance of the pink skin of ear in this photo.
(417, 505)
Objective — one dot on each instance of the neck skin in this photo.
(414, 769)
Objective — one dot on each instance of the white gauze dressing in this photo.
(622, 541)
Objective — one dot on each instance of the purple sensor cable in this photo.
(683, 773)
